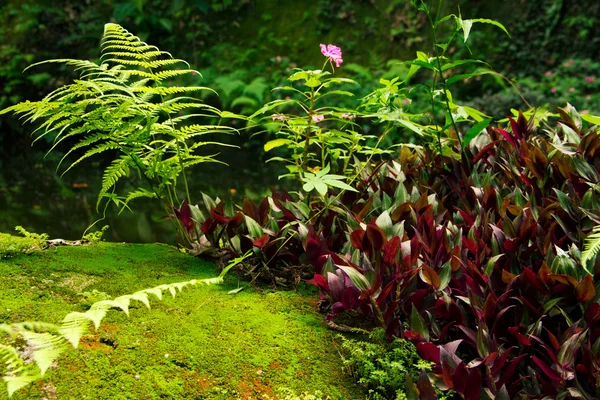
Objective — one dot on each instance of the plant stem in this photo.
(441, 75)
(307, 142)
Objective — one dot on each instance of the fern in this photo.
(591, 249)
(125, 105)
(37, 345)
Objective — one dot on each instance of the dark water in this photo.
(34, 196)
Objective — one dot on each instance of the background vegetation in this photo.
(243, 49)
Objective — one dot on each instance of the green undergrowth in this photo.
(11, 245)
(203, 344)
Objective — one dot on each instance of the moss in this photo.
(202, 344)
(11, 246)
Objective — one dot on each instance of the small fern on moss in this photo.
(125, 106)
(32, 347)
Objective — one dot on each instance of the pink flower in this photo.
(585, 112)
(406, 102)
(278, 58)
(333, 52)
(571, 89)
(348, 116)
(588, 97)
(280, 117)
(588, 79)
(287, 97)
(553, 90)
(548, 73)
(318, 118)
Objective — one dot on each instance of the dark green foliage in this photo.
(381, 367)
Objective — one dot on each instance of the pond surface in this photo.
(34, 196)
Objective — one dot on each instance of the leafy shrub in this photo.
(13, 245)
(484, 258)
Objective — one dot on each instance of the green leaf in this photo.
(417, 323)
(384, 221)
(551, 303)
(489, 267)
(413, 70)
(592, 119)
(14, 383)
(566, 203)
(451, 65)
(298, 75)
(413, 127)
(321, 187)
(445, 275)
(272, 144)
(236, 291)
(474, 131)
(457, 78)
(482, 342)
(356, 277)
(465, 25)
(254, 229)
(340, 185)
(491, 22)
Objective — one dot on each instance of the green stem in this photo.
(307, 142)
(441, 75)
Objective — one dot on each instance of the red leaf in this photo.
(473, 388)
(510, 370)
(585, 290)
(336, 286)
(592, 314)
(550, 373)
(185, 215)
(429, 352)
(218, 213)
(356, 238)
(249, 208)
(350, 297)
(261, 241)
(512, 245)
(470, 245)
(390, 250)
(461, 378)
(514, 330)
(500, 361)
(426, 391)
(376, 237)
(319, 281)
(507, 136)
(209, 226)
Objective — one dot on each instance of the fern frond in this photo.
(96, 150)
(137, 194)
(148, 64)
(78, 64)
(163, 91)
(591, 248)
(118, 169)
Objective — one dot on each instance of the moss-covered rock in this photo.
(203, 344)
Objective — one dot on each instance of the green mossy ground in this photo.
(203, 344)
